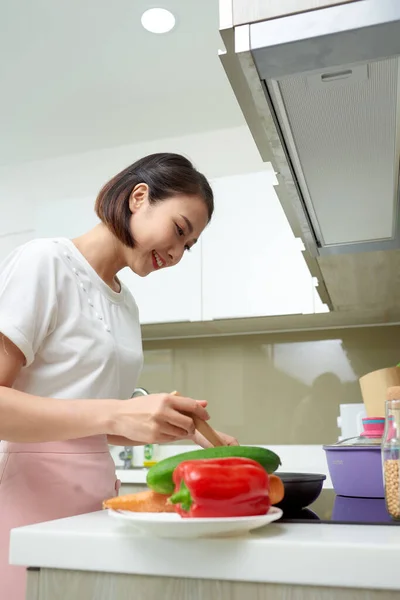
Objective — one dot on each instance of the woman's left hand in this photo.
(201, 440)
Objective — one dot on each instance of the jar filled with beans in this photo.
(391, 452)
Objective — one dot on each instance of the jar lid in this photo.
(373, 427)
(393, 393)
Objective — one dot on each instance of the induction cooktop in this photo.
(338, 510)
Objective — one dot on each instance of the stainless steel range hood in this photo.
(320, 93)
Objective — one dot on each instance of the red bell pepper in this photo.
(221, 487)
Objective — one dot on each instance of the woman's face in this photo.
(163, 231)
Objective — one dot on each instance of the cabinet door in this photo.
(260, 10)
(169, 295)
(252, 263)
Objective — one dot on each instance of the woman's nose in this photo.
(175, 254)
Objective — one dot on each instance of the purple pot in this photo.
(356, 470)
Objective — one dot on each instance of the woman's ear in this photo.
(138, 196)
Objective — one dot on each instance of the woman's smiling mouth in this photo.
(158, 262)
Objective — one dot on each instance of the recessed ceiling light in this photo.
(158, 20)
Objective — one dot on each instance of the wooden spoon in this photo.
(204, 428)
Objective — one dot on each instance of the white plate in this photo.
(171, 525)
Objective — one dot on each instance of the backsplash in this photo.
(274, 388)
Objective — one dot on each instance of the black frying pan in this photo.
(301, 490)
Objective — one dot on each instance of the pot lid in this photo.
(357, 442)
(371, 435)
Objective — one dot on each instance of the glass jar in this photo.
(391, 452)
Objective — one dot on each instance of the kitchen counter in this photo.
(293, 460)
(137, 475)
(341, 556)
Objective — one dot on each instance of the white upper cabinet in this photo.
(247, 263)
(169, 295)
(252, 264)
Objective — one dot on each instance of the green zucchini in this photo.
(159, 476)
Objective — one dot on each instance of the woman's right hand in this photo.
(156, 418)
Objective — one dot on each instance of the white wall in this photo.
(46, 196)
(216, 153)
(56, 197)
(9, 241)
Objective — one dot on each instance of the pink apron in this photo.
(42, 482)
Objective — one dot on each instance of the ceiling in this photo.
(84, 74)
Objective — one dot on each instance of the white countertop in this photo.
(135, 476)
(358, 556)
(295, 459)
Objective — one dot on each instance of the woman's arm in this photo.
(158, 418)
(28, 418)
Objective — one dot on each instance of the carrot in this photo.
(276, 489)
(150, 501)
(147, 501)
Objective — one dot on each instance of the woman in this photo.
(71, 348)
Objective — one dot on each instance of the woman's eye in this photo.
(180, 233)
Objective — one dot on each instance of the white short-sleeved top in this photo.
(79, 337)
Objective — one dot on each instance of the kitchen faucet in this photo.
(127, 453)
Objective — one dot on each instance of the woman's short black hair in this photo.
(166, 174)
